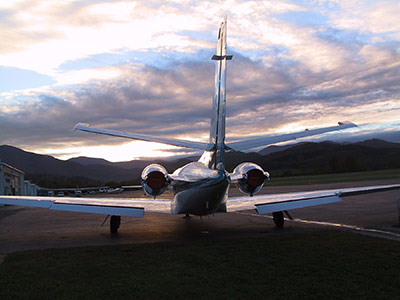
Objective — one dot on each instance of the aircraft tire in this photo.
(278, 219)
(115, 221)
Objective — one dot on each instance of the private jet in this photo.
(201, 188)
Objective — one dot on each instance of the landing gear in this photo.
(115, 221)
(278, 219)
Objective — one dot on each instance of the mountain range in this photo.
(297, 159)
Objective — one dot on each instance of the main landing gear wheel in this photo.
(115, 221)
(278, 219)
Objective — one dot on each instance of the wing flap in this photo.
(298, 200)
(144, 137)
(288, 205)
(102, 210)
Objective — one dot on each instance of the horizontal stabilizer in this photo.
(144, 137)
(273, 139)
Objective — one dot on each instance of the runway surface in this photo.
(35, 228)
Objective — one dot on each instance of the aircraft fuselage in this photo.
(204, 191)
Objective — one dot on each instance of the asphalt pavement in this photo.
(23, 228)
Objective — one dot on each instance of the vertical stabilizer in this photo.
(217, 133)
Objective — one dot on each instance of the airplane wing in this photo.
(135, 207)
(287, 201)
(144, 137)
(105, 206)
(273, 139)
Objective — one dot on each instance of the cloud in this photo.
(144, 98)
(42, 35)
(377, 17)
(144, 67)
(176, 101)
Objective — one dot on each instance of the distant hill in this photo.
(273, 148)
(372, 143)
(88, 161)
(375, 143)
(297, 159)
(133, 164)
(329, 157)
(44, 167)
(46, 170)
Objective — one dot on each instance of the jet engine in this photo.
(155, 180)
(250, 177)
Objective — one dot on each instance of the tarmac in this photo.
(23, 228)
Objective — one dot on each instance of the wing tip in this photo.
(347, 124)
(80, 126)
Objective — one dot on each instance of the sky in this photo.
(145, 67)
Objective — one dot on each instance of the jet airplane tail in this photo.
(214, 150)
(217, 132)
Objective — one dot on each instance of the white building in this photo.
(30, 189)
(11, 180)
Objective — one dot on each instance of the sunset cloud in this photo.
(145, 67)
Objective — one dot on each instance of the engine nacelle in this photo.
(250, 177)
(155, 180)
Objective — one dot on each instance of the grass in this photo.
(334, 178)
(325, 265)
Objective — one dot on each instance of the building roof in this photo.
(11, 167)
